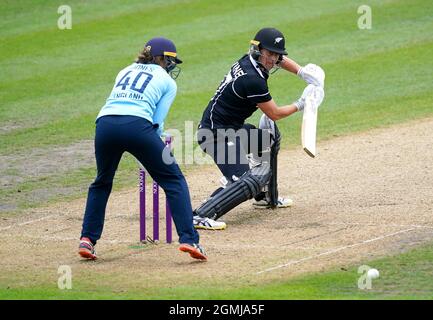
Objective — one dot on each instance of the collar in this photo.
(256, 66)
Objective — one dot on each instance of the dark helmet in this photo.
(163, 47)
(270, 39)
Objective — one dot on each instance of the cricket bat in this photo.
(309, 122)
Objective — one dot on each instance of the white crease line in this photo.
(217, 246)
(28, 222)
(131, 216)
(379, 225)
(77, 239)
(252, 246)
(53, 216)
(334, 250)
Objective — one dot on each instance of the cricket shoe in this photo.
(87, 249)
(208, 224)
(282, 203)
(195, 250)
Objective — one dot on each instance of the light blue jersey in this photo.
(142, 90)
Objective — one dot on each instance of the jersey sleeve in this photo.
(163, 106)
(254, 89)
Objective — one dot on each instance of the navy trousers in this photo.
(115, 135)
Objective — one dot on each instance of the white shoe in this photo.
(208, 224)
(282, 203)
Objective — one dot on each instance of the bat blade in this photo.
(309, 127)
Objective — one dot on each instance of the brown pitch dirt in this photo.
(365, 196)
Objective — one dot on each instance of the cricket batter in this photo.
(246, 155)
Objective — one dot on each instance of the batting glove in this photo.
(312, 92)
(300, 103)
(312, 74)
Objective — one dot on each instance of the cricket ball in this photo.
(373, 273)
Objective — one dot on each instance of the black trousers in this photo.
(229, 148)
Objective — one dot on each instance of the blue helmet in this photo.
(160, 46)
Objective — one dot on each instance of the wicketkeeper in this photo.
(246, 155)
(132, 120)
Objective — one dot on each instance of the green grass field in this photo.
(53, 83)
(405, 276)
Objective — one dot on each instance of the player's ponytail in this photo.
(145, 56)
